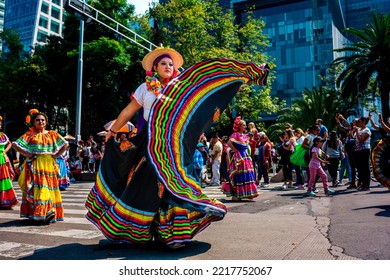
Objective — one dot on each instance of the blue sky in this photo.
(140, 5)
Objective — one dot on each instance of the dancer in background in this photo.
(242, 178)
(7, 193)
(41, 200)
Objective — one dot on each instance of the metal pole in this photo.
(79, 83)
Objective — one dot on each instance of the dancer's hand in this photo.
(110, 134)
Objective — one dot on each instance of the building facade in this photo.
(2, 10)
(34, 20)
(302, 35)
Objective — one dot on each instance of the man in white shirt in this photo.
(216, 161)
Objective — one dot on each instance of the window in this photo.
(55, 13)
(45, 8)
(42, 36)
(55, 26)
(43, 22)
(56, 2)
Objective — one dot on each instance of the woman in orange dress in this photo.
(39, 178)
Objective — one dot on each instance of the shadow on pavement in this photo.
(108, 250)
(22, 223)
(384, 213)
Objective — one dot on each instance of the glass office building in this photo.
(302, 35)
(34, 20)
(2, 9)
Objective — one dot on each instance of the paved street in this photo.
(278, 225)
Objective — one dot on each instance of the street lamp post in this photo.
(79, 83)
(72, 6)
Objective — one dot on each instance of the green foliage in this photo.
(322, 103)
(200, 30)
(111, 71)
(19, 81)
(367, 59)
(106, 62)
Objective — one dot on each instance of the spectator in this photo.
(323, 129)
(288, 126)
(300, 137)
(216, 161)
(253, 143)
(345, 168)
(333, 148)
(264, 159)
(307, 144)
(288, 149)
(224, 165)
(198, 162)
(362, 153)
(349, 148)
(76, 168)
(92, 141)
(274, 157)
(86, 156)
(97, 156)
(318, 157)
(122, 137)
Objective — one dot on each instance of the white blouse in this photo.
(145, 98)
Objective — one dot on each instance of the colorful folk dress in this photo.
(145, 189)
(7, 193)
(64, 168)
(39, 178)
(242, 178)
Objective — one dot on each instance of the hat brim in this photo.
(147, 61)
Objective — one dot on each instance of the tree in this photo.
(106, 64)
(202, 29)
(19, 81)
(368, 58)
(321, 103)
(109, 65)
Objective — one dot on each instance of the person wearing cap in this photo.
(130, 202)
(198, 161)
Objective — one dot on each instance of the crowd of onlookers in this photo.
(85, 156)
(347, 154)
(334, 156)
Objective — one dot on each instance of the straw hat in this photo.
(147, 61)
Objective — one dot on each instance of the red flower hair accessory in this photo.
(236, 124)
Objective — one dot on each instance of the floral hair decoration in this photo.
(29, 121)
(236, 124)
